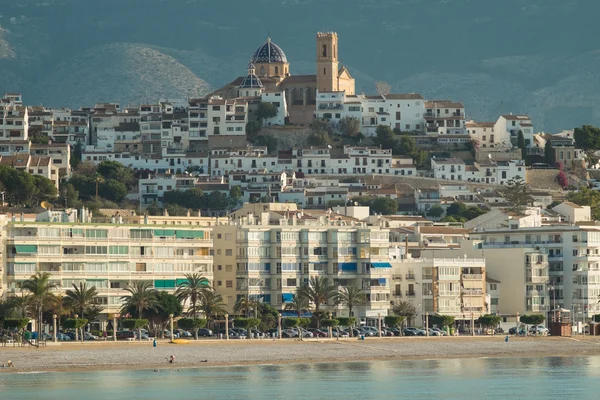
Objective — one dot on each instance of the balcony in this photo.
(410, 293)
(472, 292)
(472, 277)
(331, 106)
(410, 277)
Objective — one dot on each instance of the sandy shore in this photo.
(109, 355)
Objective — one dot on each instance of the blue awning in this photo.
(287, 297)
(348, 267)
(294, 314)
(381, 281)
(381, 265)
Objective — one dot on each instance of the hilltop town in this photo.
(275, 179)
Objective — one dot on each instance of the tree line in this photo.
(24, 189)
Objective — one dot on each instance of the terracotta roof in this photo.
(37, 161)
(299, 79)
(443, 104)
(448, 161)
(474, 124)
(511, 117)
(404, 96)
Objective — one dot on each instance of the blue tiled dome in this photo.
(251, 81)
(269, 52)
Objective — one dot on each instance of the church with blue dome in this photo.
(269, 72)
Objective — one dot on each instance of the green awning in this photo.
(190, 234)
(164, 233)
(164, 284)
(26, 248)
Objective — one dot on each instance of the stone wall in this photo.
(497, 154)
(288, 136)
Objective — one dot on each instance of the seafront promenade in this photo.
(142, 355)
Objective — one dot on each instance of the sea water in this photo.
(541, 378)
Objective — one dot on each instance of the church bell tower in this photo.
(327, 62)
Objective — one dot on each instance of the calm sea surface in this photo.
(502, 378)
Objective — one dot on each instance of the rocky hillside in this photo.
(535, 56)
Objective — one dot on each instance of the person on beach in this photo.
(171, 359)
(10, 364)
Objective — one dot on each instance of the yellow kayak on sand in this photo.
(180, 341)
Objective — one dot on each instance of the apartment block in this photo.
(268, 251)
(449, 286)
(158, 250)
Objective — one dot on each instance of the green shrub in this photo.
(393, 320)
(290, 322)
(74, 323)
(191, 323)
(246, 323)
(134, 323)
(441, 320)
(12, 323)
(532, 319)
(346, 321)
(330, 323)
(304, 322)
(489, 320)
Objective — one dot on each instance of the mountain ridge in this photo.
(533, 56)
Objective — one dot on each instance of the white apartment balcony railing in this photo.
(472, 292)
(472, 277)
(448, 293)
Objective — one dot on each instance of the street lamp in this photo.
(379, 323)
(171, 321)
(54, 317)
(226, 326)
(76, 330)
(552, 288)
(279, 325)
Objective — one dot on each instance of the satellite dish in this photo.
(45, 205)
(356, 203)
(329, 146)
(490, 156)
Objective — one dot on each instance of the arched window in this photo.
(324, 50)
(276, 70)
(262, 70)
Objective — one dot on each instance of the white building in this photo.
(485, 136)
(398, 111)
(444, 117)
(510, 125)
(279, 102)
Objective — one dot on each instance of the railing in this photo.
(410, 294)
(410, 277)
(472, 292)
(477, 277)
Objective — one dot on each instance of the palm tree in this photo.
(212, 304)
(352, 296)
(80, 298)
(141, 297)
(298, 304)
(405, 309)
(318, 291)
(193, 288)
(40, 287)
(245, 304)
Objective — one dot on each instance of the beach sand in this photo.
(142, 355)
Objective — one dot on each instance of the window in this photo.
(229, 284)
(324, 71)
(228, 252)
(493, 286)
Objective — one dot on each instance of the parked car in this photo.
(318, 332)
(183, 333)
(441, 332)
(513, 331)
(367, 331)
(124, 335)
(167, 334)
(305, 333)
(539, 330)
(204, 332)
(89, 336)
(62, 337)
(395, 331)
(288, 333)
(342, 334)
(409, 331)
